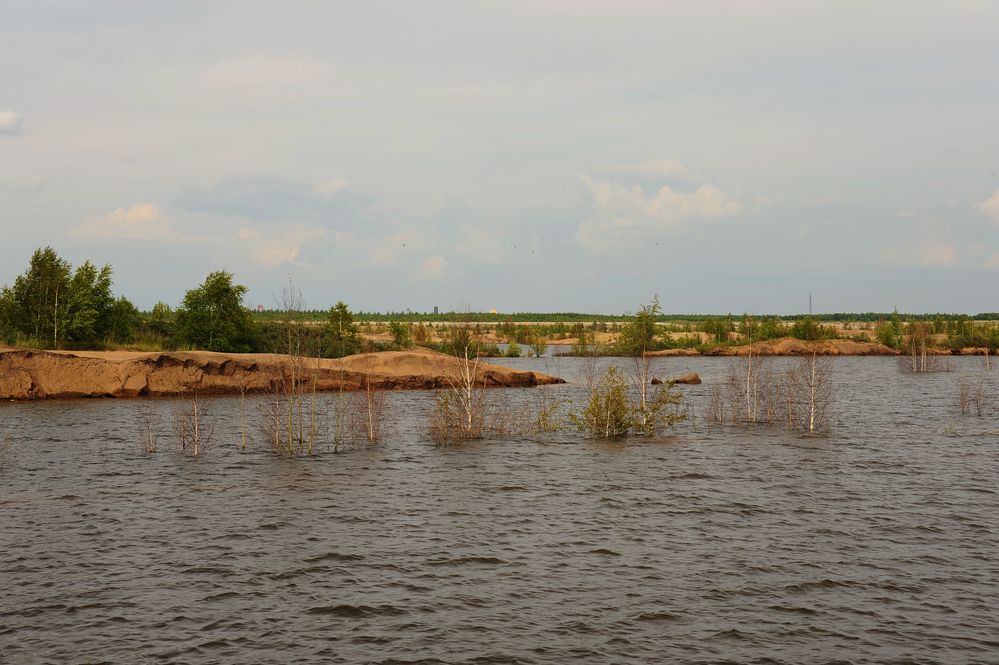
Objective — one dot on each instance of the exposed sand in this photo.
(789, 346)
(35, 374)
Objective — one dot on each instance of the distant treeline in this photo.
(582, 317)
(53, 305)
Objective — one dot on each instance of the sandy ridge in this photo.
(789, 346)
(36, 374)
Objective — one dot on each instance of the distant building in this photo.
(435, 309)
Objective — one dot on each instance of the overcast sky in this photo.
(552, 155)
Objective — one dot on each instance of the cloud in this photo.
(992, 263)
(654, 169)
(16, 185)
(624, 214)
(10, 122)
(385, 251)
(266, 71)
(929, 253)
(329, 189)
(762, 201)
(275, 199)
(991, 207)
(271, 248)
(433, 267)
(142, 221)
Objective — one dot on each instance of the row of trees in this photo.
(51, 304)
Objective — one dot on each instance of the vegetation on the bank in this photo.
(51, 305)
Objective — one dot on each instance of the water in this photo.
(875, 544)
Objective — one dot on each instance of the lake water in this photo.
(876, 543)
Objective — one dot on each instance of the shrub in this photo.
(609, 412)
(612, 412)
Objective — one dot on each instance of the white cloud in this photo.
(16, 185)
(10, 122)
(625, 214)
(483, 244)
(433, 267)
(929, 253)
(385, 251)
(991, 207)
(329, 189)
(266, 71)
(762, 201)
(657, 169)
(142, 221)
(276, 247)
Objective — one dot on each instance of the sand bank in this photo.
(35, 374)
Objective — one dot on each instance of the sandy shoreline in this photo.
(27, 374)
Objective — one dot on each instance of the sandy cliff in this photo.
(35, 374)
(792, 347)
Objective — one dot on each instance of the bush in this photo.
(608, 413)
(611, 411)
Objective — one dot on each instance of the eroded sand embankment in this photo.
(791, 347)
(35, 374)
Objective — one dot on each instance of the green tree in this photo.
(161, 320)
(86, 313)
(212, 316)
(639, 334)
(401, 335)
(808, 329)
(342, 331)
(890, 332)
(121, 321)
(34, 305)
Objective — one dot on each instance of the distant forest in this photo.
(53, 305)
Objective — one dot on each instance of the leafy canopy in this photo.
(51, 304)
(212, 316)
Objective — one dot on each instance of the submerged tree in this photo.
(613, 411)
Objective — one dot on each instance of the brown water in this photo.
(878, 543)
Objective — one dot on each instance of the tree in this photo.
(121, 320)
(161, 320)
(51, 304)
(87, 304)
(890, 332)
(212, 316)
(341, 331)
(31, 307)
(639, 334)
(401, 336)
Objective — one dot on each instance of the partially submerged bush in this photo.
(458, 413)
(798, 397)
(612, 411)
(972, 396)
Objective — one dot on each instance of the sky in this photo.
(551, 155)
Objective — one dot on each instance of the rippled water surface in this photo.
(878, 543)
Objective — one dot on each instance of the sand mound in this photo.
(789, 346)
(34, 374)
